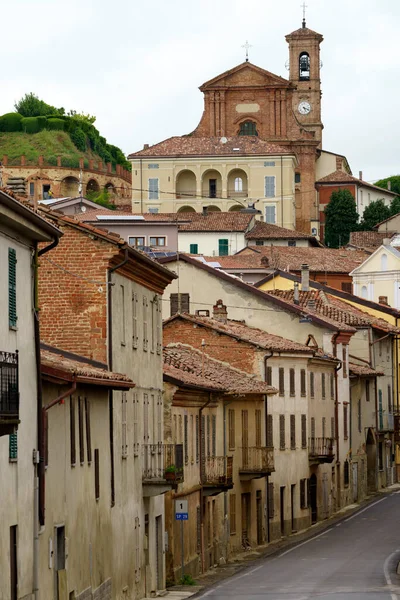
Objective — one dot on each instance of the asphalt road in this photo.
(355, 559)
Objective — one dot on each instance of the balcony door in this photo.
(212, 188)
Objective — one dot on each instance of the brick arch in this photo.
(92, 186)
(186, 184)
(184, 209)
(69, 186)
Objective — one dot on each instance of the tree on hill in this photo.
(341, 218)
(31, 106)
(394, 183)
(374, 213)
(395, 206)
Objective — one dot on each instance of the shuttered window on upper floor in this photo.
(179, 303)
(281, 381)
(303, 389)
(292, 381)
(12, 288)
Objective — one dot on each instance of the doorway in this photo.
(61, 576)
(371, 461)
(13, 563)
(259, 517)
(282, 507)
(246, 519)
(313, 498)
(159, 553)
(212, 188)
(292, 501)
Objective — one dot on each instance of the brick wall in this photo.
(73, 294)
(222, 347)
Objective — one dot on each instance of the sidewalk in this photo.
(241, 561)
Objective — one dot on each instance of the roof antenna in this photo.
(304, 6)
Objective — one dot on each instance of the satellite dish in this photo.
(224, 140)
(83, 209)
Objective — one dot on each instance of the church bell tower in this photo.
(304, 74)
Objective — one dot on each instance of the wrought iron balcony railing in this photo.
(321, 447)
(162, 462)
(257, 460)
(217, 470)
(9, 388)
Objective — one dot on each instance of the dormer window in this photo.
(248, 128)
(304, 66)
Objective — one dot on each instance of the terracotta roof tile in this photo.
(189, 366)
(245, 333)
(262, 231)
(363, 371)
(188, 145)
(343, 177)
(369, 239)
(236, 261)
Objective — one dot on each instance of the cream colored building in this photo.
(20, 232)
(378, 277)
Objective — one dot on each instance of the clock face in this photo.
(304, 108)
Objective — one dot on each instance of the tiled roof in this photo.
(91, 215)
(235, 261)
(369, 239)
(386, 220)
(343, 177)
(304, 32)
(287, 258)
(267, 231)
(191, 367)
(55, 360)
(243, 332)
(188, 145)
(336, 309)
(363, 371)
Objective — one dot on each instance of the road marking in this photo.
(364, 509)
(386, 572)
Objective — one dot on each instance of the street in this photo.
(355, 559)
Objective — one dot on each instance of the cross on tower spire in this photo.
(247, 46)
(304, 6)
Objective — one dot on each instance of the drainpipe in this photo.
(201, 481)
(266, 357)
(110, 366)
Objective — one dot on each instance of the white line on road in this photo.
(386, 572)
(364, 509)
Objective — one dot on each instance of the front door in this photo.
(246, 520)
(159, 553)
(282, 507)
(259, 517)
(212, 188)
(13, 563)
(313, 498)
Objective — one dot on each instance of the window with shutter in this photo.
(46, 437)
(282, 432)
(292, 382)
(180, 435)
(223, 247)
(124, 448)
(304, 431)
(192, 439)
(137, 549)
(231, 429)
(96, 474)
(347, 287)
(179, 303)
(333, 428)
(323, 386)
(245, 428)
(123, 316)
(303, 390)
(72, 430)
(80, 425)
(344, 357)
(345, 422)
(303, 493)
(88, 431)
(271, 503)
(12, 288)
(292, 432)
(232, 514)
(145, 320)
(153, 334)
(367, 392)
(258, 428)
(198, 529)
(313, 427)
(160, 410)
(136, 441)
(380, 409)
(359, 414)
(208, 436)
(346, 473)
(281, 381)
(158, 326)
(312, 388)
(323, 427)
(270, 186)
(153, 189)
(270, 432)
(197, 439)
(269, 375)
(135, 336)
(202, 444)
(214, 435)
(185, 438)
(332, 381)
(194, 249)
(270, 214)
(13, 447)
(389, 399)
(146, 419)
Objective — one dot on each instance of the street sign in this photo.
(181, 510)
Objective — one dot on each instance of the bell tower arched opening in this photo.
(304, 66)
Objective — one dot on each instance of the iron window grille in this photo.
(9, 390)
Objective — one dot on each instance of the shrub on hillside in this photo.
(30, 125)
(10, 122)
(55, 124)
(42, 121)
(79, 139)
(72, 163)
(52, 160)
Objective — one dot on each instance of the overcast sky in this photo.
(137, 65)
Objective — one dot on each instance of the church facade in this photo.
(258, 142)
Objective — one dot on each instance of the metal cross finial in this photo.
(304, 6)
(247, 46)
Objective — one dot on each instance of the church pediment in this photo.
(245, 75)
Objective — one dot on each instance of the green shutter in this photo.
(380, 409)
(223, 247)
(13, 446)
(194, 248)
(12, 288)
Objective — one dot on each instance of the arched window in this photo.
(238, 184)
(364, 291)
(384, 262)
(248, 128)
(304, 66)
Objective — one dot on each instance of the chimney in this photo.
(305, 278)
(264, 261)
(296, 293)
(219, 312)
(360, 175)
(146, 146)
(389, 186)
(383, 300)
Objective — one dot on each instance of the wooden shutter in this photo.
(72, 430)
(282, 432)
(194, 249)
(124, 445)
(293, 432)
(88, 431)
(185, 303)
(179, 303)
(232, 514)
(223, 247)
(269, 375)
(333, 428)
(137, 549)
(312, 387)
(13, 447)
(197, 439)
(390, 399)
(185, 438)
(135, 336)
(258, 428)
(344, 357)
(145, 418)
(136, 441)
(313, 427)
(231, 429)
(292, 380)
(270, 431)
(203, 442)
(332, 380)
(367, 392)
(303, 390)
(96, 474)
(145, 324)
(323, 427)
(46, 437)
(281, 381)
(160, 410)
(345, 422)
(214, 435)
(158, 326)
(271, 504)
(347, 287)
(303, 493)
(323, 386)
(80, 425)
(304, 431)
(198, 529)
(12, 287)
(245, 428)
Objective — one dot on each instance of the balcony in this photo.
(9, 393)
(162, 468)
(234, 194)
(385, 421)
(320, 450)
(217, 475)
(256, 462)
(186, 194)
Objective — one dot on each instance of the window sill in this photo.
(13, 328)
(123, 344)
(13, 460)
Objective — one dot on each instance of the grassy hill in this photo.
(49, 144)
